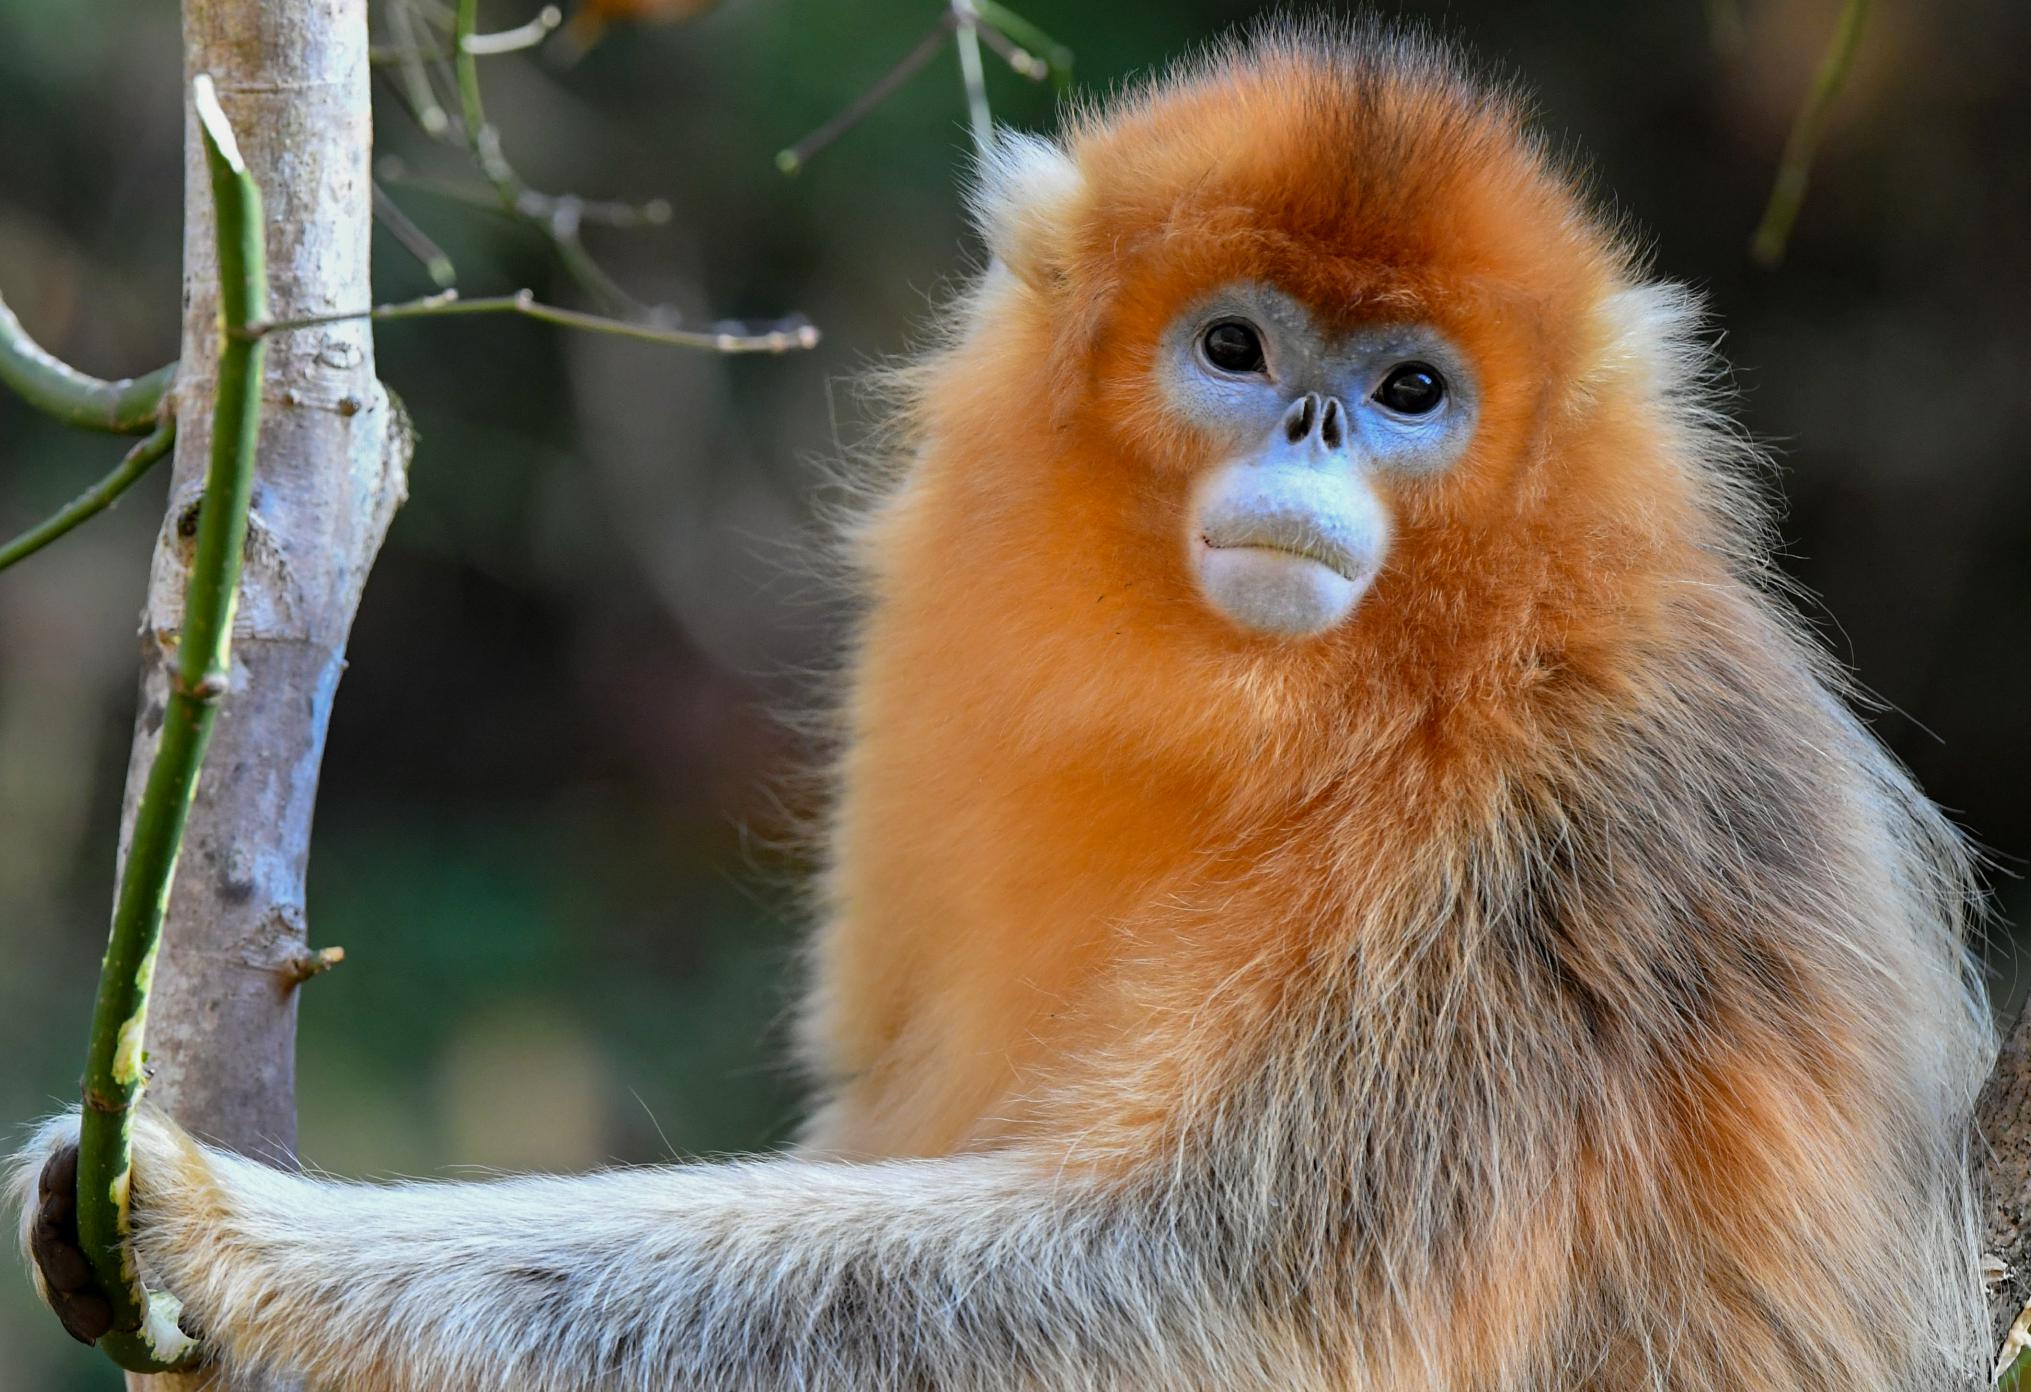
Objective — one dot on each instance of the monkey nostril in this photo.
(1332, 424)
(1297, 422)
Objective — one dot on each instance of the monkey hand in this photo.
(43, 1186)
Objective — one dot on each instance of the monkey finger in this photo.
(59, 1180)
(85, 1315)
(59, 1258)
(58, 1208)
(59, 1211)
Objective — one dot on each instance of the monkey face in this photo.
(1286, 531)
(1294, 398)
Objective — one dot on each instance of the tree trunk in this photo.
(292, 77)
(2003, 1126)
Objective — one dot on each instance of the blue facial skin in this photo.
(1287, 532)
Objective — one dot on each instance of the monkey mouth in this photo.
(1279, 584)
(1318, 550)
(1282, 554)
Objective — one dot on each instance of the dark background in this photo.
(548, 825)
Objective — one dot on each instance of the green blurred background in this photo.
(553, 798)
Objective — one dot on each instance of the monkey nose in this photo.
(1317, 421)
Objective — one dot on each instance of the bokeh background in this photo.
(551, 820)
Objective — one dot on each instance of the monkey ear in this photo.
(1023, 200)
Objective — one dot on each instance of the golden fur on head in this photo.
(1548, 934)
(1372, 180)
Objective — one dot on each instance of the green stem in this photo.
(145, 1337)
(1794, 169)
(125, 407)
(463, 26)
(557, 217)
(484, 139)
(94, 500)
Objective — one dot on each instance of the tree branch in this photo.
(1024, 47)
(145, 455)
(144, 1337)
(558, 217)
(781, 338)
(125, 407)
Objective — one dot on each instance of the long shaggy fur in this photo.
(1540, 982)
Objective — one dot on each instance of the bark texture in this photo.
(2003, 1121)
(292, 76)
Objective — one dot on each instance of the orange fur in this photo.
(1094, 843)
(1048, 727)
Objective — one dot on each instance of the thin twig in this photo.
(306, 962)
(144, 455)
(520, 37)
(1005, 21)
(416, 85)
(979, 118)
(1020, 60)
(533, 206)
(1794, 169)
(466, 17)
(739, 338)
(793, 159)
(145, 1337)
(785, 337)
(1021, 44)
(606, 212)
(394, 173)
(414, 240)
(559, 217)
(566, 216)
(125, 407)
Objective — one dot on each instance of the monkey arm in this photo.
(984, 1272)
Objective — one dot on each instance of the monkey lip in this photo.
(1273, 587)
(1317, 550)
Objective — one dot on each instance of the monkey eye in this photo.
(1412, 389)
(1233, 345)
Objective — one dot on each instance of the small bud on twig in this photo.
(308, 962)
